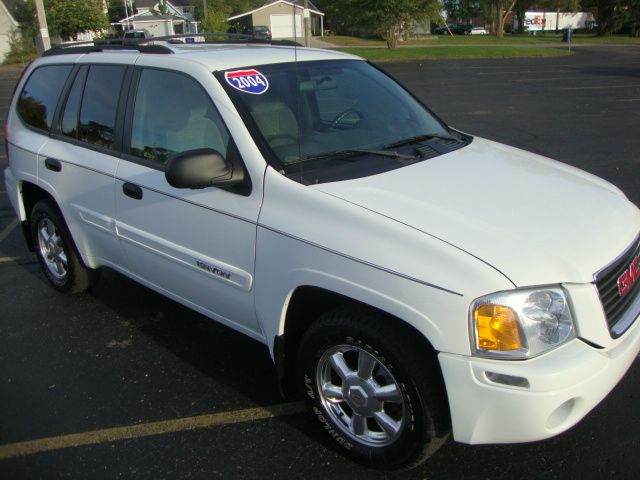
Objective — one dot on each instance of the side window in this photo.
(173, 114)
(97, 118)
(39, 97)
(72, 108)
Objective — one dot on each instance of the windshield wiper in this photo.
(420, 138)
(349, 152)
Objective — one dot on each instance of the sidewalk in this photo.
(318, 42)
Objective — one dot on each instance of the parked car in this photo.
(478, 31)
(411, 280)
(132, 37)
(440, 30)
(455, 28)
(259, 32)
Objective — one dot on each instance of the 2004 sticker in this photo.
(247, 81)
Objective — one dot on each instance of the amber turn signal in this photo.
(497, 328)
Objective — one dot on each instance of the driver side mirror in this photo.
(201, 168)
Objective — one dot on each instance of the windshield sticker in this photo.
(247, 81)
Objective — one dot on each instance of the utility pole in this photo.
(307, 23)
(205, 8)
(126, 12)
(42, 40)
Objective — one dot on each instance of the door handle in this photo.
(53, 164)
(132, 190)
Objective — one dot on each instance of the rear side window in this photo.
(72, 108)
(100, 104)
(39, 97)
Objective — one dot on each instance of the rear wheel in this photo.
(56, 251)
(371, 388)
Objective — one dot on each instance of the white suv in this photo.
(411, 279)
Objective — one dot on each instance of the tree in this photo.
(502, 10)
(520, 8)
(341, 16)
(611, 15)
(161, 9)
(21, 49)
(463, 10)
(67, 18)
(116, 10)
(389, 17)
(219, 10)
(558, 5)
(634, 17)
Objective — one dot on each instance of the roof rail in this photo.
(168, 38)
(90, 47)
(140, 44)
(234, 38)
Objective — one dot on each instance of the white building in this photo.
(8, 25)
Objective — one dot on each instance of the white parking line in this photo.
(127, 432)
(13, 259)
(7, 230)
(601, 87)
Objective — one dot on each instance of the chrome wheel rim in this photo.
(361, 395)
(52, 249)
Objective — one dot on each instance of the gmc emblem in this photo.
(629, 277)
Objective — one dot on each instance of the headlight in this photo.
(520, 323)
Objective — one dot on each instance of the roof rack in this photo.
(140, 44)
(90, 47)
(235, 38)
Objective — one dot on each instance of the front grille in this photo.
(620, 310)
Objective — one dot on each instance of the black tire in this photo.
(57, 253)
(417, 407)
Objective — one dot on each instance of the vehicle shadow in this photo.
(224, 355)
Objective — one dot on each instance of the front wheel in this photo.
(371, 388)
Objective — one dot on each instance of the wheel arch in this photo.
(306, 303)
(30, 194)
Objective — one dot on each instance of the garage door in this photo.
(282, 26)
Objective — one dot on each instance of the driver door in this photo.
(195, 246)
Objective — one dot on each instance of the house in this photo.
(283, 17)
(174, 17)
(176, 8)
(8, 25)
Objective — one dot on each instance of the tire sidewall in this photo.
(44, 210)
(418, 427)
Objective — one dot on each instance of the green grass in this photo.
(435, 53)
(507, 40)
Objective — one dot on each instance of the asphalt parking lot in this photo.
(122, 383)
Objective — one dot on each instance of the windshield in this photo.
(330, 111)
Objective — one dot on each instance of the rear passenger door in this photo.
(196, 246)
(79, 160)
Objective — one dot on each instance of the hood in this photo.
(535, 220)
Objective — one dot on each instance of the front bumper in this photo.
(564, 385)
